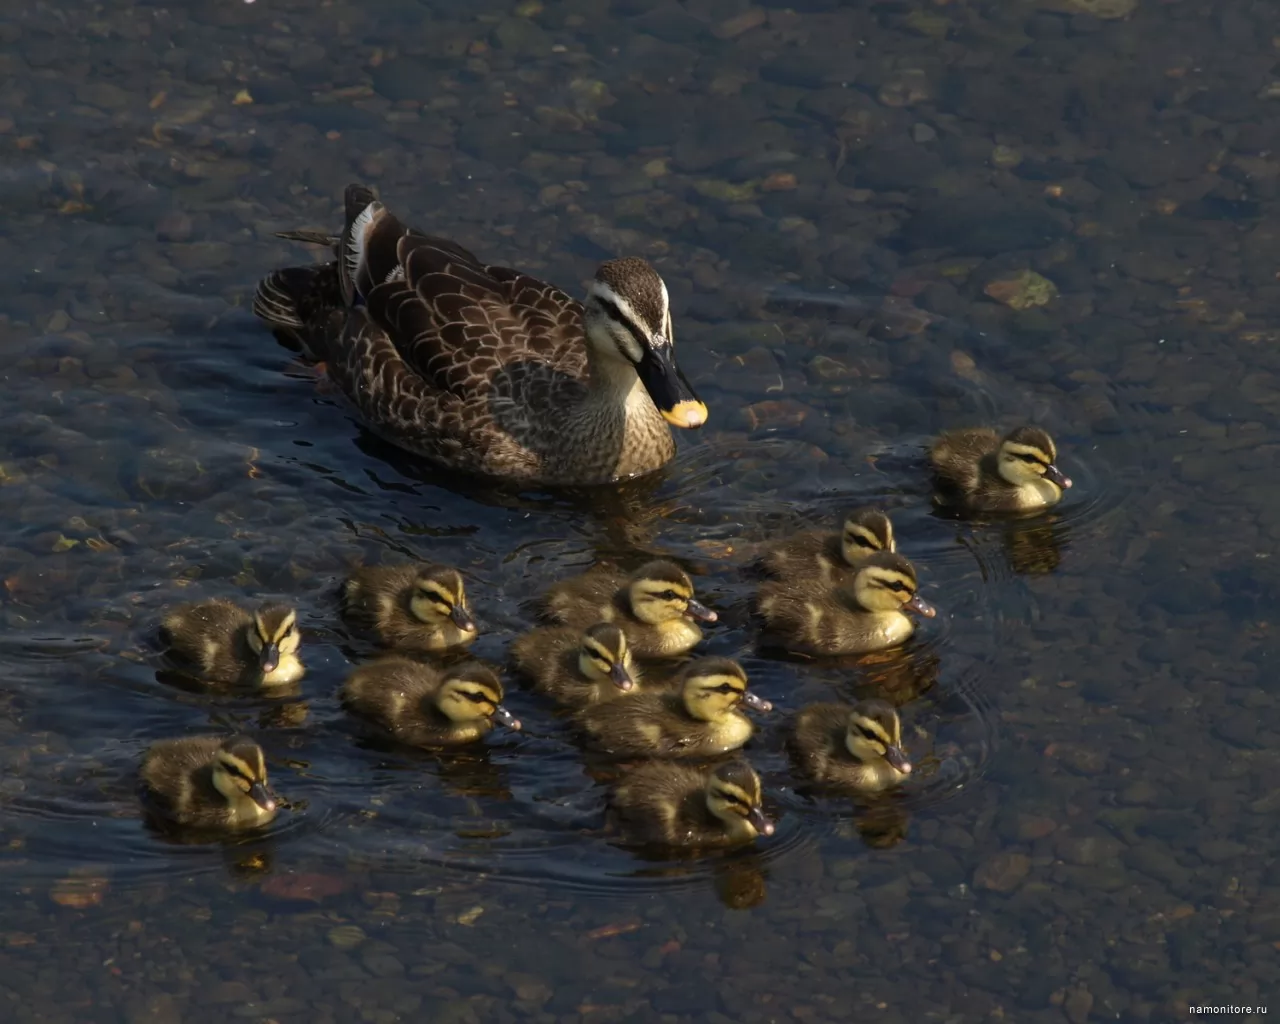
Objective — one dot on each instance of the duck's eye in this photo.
(727, 688)
(1032, 460)
(670, 595)
(897, 586)
(861, 541)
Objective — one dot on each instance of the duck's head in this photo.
(874, 734)
(628, 322)
(886, 582)
(866, 531)
(240, 771)
(662, 591)
(471, 691)
(733, 796)
(712, 689)
(1027, 455)
(274, 636)
(603, 654)
(439, 596)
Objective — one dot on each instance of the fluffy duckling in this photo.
(702, 718)
(865, 613)
(827, 556)
(654, 606)
(223, 643)
(209, 781)
(425, 706)
(856, 748)
(577, 668)
(413, 607)
(660, 803)
(983, 472)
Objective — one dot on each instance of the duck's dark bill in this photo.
(504, 717)
(1054, 475)
(671, 393)
(897, 758)
(269, 659)
(920, 606)
(759, 822)
(462, 619)
(620, 677)
(261, 796)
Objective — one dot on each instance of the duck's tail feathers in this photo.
(368, 251)
(277, 299)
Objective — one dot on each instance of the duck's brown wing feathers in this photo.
(444, 355)
(956, 456)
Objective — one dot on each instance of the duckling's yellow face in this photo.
(714, 687)
(471, 692)
(866, 531)
(440, 597)
(875, 734)
(662, 591)
(1027, 457)
(733, 796)
(887, 583)
(603, 655)
(240, 772)
(274, 637)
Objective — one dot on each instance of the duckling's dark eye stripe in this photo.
(612, 309)
(478, 698)
(729, 688)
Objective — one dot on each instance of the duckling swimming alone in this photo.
(412, 607)
(209, 781)
(661, 803)
(702, 719)
(825, 556)
(577, 668)
(866, 613)
(222, 643)
(654, 606)
(983, 472)
(425, 707)
(856, 748)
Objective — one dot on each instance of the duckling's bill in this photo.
(501, 716)
(620, 677)
(757, 820)
(920, 606)
(262, 796)
(462, 619)
(269, 659)
(756, 703)
(1054, 475)
(897, 758)
(671, 392)
(698, 610)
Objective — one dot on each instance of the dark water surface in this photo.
(833, 193)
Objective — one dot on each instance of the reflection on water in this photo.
(831, 191)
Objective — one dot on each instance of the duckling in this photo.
(701, 719)
(577, 668)
(857, 748)
(654, 606)
(827, 556)
(660, 803)
(865, 613)
(425, 707)
(222, 643)
(209, 781)
(413, 607)
(983, 472)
